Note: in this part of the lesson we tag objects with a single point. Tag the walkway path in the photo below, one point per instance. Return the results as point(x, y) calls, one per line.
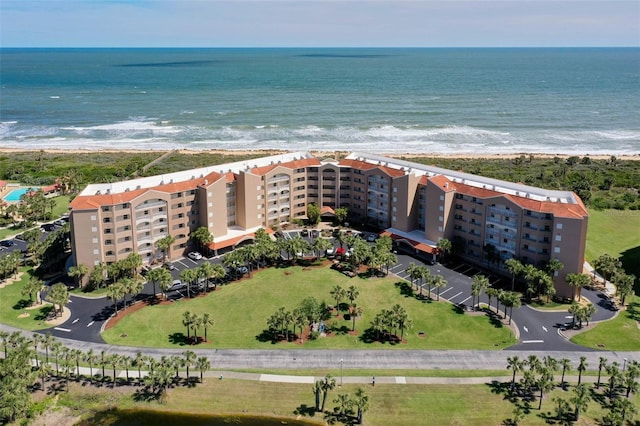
point(292, 359)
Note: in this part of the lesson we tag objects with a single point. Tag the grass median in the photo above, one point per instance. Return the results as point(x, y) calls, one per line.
point(240, 311)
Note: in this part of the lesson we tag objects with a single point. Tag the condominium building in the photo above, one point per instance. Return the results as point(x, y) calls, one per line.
point(487, 220)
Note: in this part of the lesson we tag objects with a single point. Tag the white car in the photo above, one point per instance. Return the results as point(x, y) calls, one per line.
point(371, 237)
point(194, 255)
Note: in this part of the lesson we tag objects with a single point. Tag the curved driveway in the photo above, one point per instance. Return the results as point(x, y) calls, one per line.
point(538, 335)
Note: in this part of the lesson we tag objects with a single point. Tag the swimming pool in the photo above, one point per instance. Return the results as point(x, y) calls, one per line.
point(15, 195)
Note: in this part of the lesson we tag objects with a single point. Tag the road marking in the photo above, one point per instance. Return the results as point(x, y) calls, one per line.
point(545, 328)
point(455, 295)
point(62, 329)
point(466, 299)
point(90, 324)
point(75, 320)
point(533, 341)
point(525, 328)
point(569, 316)
point(450, 288)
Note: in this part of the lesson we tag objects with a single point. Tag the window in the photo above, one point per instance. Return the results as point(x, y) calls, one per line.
point(126, 228)
point(180, 205)
point(109, 253)
point(108, 242)
point(439, 228)
point(94, 229)
point(106, 209)
point(107, 231)
point(558, 237)
point(146, 212)
point(125, 206)
point(161, 209)
point(94, 217)
point(107, 220)
point(442, 197)
point(556, 249)
point(125, 217)
point(559, 226)
point(94, 240)
point(127, 238)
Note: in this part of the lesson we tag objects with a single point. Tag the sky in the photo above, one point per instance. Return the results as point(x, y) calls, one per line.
point(319, 23)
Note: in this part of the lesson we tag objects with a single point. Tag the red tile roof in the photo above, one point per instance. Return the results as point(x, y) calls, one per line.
point(296, 164)
point(363, 165)
point(89, 202)
point(416, 244)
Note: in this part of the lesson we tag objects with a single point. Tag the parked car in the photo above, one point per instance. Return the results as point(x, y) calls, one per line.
point(59, 222)
point(169, 266)
point(194, 255)
point(7, 243)
point(314, 233)
point(242, 270)
point(304, 232)
point(371, 237)
point(48, 227)
point(177, 285)
point(145, 270)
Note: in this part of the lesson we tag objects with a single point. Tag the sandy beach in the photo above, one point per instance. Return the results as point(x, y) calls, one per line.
point(319, 154)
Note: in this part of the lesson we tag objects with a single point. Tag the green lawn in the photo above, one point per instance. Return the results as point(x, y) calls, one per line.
point(615, 232)
point(619, 334)
point(240, 311)
point(390, 405)
point(13, 304)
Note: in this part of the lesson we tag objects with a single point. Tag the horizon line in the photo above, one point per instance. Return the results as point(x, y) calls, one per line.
point(326, 47)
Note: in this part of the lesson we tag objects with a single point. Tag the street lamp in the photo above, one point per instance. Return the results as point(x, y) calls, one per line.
point(341, 363)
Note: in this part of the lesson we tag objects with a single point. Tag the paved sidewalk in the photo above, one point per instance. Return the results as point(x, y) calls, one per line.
point(297, 359)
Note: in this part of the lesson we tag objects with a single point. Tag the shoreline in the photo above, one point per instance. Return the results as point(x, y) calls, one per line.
point(264, 152)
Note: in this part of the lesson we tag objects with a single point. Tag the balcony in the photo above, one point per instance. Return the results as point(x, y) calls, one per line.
point(276, 179)
point(501, 211)
point(151, 205)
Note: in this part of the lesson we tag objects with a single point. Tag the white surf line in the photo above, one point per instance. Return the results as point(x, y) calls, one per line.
point(62, 329)
point(75, 320)
point(533, 341)
point(90, 324)
point(466, 299)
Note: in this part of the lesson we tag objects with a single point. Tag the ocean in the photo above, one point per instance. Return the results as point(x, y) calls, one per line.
point(432, 101)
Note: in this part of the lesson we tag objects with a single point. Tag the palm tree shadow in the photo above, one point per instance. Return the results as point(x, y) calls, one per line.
point(179, 339)
point(305, 410)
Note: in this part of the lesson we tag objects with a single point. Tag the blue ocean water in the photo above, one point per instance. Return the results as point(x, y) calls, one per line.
point(582, 101)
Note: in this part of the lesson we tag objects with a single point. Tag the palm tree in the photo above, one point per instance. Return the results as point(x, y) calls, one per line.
point(602, 363)
point(202, 364)
point(577, 281)
point(189, 360)
point(317, 391)
point(439, 282)
point(352, 293)
point(412, 271)
point(444, 247)
point(580, 399)
point(203, 237)
point(187, 320)
point(565, 363)
point(478, 284)
point(78, 272)
point(515, 267)
point(114, 361)
point(159, 275)
point(582, 367)
point(515, 364)
point(164, 244)
point(207, 322)
point(59, 295)
point(188, 276)
point(356, 311)
point(125, 362)
point(344, 405)
point(328, 383)
point(338, 294)
point(361, 401)
point(36, 339)
point(321, 245)
point(545, 384)
point(138, 362)
point(115, 292)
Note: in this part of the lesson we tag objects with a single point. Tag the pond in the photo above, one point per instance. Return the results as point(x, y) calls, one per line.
point(139, 417)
